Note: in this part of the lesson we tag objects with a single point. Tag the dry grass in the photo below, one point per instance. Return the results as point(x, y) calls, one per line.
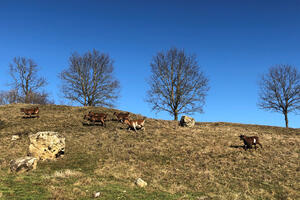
point(178, 163)
point(64, 174)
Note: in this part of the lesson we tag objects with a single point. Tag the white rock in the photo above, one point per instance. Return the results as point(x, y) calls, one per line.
point(140, 182)
point(15, 137)
point(187, 121)
point(23, 164)
point(97, 194)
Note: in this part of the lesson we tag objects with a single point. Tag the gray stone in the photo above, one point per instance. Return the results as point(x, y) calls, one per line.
point(23, 164)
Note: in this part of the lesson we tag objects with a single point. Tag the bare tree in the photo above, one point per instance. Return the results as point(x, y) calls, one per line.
point(89, 79)
point(176, 85)
point(25, 76)
point(280, 90)
point(39, 98)
point(12, 96)
point(3, 98)
point(8, 97)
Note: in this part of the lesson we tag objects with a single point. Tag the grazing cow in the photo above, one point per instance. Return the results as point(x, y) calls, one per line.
point(249, 141)
point(122, 116)
point(96, 117)
point(91, 113)
point(30, 111)
point(135, 124)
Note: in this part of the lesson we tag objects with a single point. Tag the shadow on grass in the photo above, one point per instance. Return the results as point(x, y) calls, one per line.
point(237, 146)
point(132, 129)
point(92, 124)
point(30, 117)
point(243, 147)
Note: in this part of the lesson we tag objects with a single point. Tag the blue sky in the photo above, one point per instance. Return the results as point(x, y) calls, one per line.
point(235, 42)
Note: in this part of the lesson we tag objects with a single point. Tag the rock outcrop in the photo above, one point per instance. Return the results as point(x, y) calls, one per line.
point(186, 121)
point(24, 164)
point(46, 145)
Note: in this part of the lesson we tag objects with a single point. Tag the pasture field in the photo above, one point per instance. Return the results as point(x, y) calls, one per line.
point(204, 162)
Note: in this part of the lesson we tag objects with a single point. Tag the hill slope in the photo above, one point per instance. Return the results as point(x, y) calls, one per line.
point(204, 162)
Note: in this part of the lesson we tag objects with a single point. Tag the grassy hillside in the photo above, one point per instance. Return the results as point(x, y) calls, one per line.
point(204, 162)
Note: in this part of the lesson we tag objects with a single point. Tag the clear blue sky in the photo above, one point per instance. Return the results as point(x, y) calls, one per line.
point(235, 42)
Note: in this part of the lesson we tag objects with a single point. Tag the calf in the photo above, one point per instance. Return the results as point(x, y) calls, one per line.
point(99, 117)
point(249, 141)
point(134, 124)
point(30, 111)
point(122, 116)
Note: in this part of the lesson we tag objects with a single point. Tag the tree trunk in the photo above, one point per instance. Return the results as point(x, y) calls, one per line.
point(84, 103)
point(175, 115)
point(27, 98)
point(286, 120)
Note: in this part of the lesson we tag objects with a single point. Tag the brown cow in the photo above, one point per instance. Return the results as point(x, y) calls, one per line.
point(30, 111)
point(122, 116)
point(96, 117)
point(249, 141)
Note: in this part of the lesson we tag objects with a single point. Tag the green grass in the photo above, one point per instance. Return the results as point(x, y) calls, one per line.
point(203, 162)
point(26, 186)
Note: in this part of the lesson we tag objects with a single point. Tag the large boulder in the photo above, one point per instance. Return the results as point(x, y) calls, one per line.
point(186, 121)
point(46, 145)
point(24, 164)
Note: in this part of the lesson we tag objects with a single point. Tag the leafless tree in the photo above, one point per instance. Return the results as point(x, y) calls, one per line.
point(25, 77)
point(12, 96)
point(280, 90)
point(89, 79)
point(8, 97)
point(176, 85)
point(3, 98)
point(39, 98)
